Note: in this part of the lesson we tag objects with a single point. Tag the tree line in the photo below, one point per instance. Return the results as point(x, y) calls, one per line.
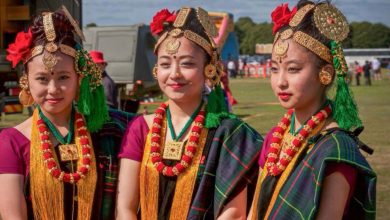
point(362, 35)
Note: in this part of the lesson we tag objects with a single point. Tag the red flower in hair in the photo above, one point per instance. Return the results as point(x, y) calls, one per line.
point(157, 25)
point(281, 16)
point(20, 48)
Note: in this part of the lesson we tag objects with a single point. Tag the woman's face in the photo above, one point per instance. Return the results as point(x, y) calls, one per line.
point(181, 75)
point(295, 80)
point(53, 91)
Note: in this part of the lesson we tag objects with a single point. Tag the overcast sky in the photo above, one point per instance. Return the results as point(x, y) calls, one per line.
point(127, 12)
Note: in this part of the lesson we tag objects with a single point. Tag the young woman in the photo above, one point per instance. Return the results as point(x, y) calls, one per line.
point(310, 164)
point(60, 163)
point(191, 159)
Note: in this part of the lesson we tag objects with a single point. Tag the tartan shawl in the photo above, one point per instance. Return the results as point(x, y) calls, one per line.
point(299, 198)
point(106, 143)
point(231, 166)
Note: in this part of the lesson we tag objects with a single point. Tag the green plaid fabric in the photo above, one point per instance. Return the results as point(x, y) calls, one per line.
point(231, 165)
point(300, 196)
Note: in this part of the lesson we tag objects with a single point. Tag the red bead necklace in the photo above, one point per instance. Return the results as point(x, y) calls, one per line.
point(278, 160)
point(51, 164)
point(190, 150)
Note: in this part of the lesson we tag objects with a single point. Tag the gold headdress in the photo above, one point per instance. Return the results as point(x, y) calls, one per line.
point(328, 20)
point(171, 44)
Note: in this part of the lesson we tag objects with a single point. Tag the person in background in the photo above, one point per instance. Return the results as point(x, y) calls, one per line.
point(367, 73)
point(358, 72)
point(376, 68)
point(231, 67)
point(110, 88)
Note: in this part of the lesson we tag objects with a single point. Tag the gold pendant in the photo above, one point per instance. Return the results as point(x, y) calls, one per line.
point(68, 152)
point(173, 150)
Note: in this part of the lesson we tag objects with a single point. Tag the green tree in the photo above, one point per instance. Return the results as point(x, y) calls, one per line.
point(368, 35)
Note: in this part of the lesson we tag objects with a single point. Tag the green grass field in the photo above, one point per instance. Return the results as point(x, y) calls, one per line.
point(258, 107)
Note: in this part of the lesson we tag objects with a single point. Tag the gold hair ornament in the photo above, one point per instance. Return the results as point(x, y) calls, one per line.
point(301, 13)
point(331, 22)
point(73, 22)
point(49, 59)
point(181, 17)
point(313, 45)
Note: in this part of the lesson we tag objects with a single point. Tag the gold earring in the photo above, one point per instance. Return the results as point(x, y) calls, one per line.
point(154, 72)
point(325, 77)
point(210, 71)
point(25, 98)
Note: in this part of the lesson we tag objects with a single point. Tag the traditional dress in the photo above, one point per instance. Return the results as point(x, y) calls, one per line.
point(15, 159)
point(225, 163)
point(296, 193)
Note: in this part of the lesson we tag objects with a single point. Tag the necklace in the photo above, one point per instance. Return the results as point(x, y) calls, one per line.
point(190, 150)
point(68, 151)
point(174, 148)
point(277, 159)
point(47, 151)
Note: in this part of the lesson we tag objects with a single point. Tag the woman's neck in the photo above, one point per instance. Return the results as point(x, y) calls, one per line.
point(303, 114)
point(60, 119)
point(180, 111)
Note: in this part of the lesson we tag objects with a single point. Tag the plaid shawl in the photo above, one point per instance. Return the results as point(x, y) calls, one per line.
point(106, 143)
point(230, 167)
point(300, 196)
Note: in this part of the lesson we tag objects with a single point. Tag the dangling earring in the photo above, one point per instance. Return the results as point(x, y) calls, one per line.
point(154, 71)
point(25, 98)
point(210, 72)
point(325, 77)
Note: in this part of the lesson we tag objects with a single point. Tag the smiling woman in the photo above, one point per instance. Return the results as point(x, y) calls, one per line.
point(62, 162)
point(191, 159)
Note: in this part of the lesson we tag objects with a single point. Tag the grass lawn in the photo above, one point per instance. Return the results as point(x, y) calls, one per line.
point(258, 107)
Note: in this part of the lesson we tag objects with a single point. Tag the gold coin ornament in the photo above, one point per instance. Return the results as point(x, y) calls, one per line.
point(280, 49)
point(172, 46)
point(331, 22)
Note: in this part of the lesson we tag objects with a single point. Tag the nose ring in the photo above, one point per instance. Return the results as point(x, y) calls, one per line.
point(177, 74)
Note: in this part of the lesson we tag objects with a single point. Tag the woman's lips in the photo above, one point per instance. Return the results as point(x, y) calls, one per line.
point(284, 96)
point(176, 85)
point(54, 101)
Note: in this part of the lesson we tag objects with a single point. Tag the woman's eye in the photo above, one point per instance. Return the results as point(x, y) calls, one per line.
point(164, 65)
point(41, 79)
point(274, 70)
point(188, 64)
point(293, 69)
point(64, 77)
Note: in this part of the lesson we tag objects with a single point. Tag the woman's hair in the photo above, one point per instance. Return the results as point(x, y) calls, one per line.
point(63, 29)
